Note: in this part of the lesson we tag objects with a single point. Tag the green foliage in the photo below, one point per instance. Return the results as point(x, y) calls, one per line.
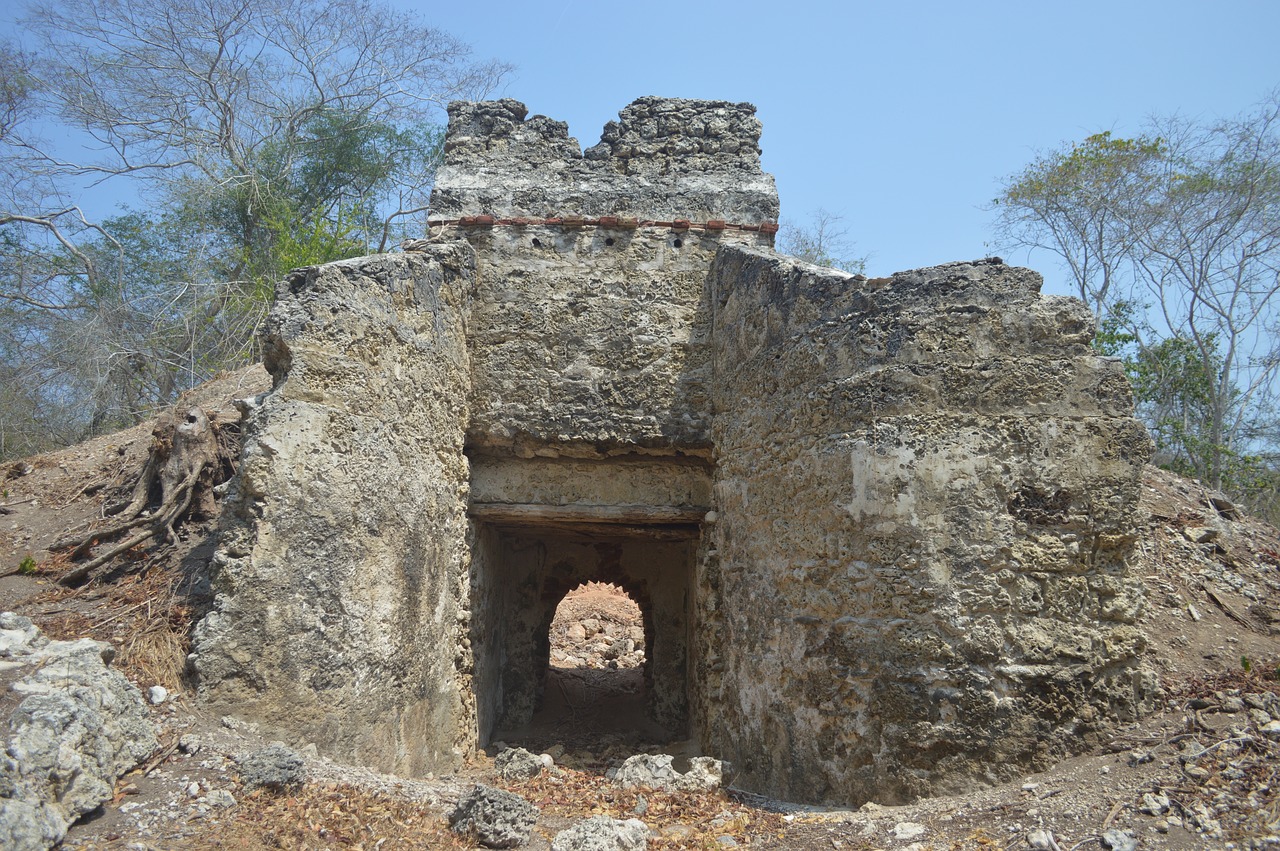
point(295, 242)
point(325, 186)
point(1172, 237)
point(262, 136)
point(1114, 337)
point(1176, 386)
point(166, 299)
point(1073, 203)
point(1175, 392)
point(1087, 172)
point(27, 566)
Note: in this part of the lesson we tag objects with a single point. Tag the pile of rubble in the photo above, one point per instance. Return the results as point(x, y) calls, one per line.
point(597, 626)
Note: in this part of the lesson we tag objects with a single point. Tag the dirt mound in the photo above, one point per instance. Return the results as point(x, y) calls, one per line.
point(1211, 577)
point(150, 593)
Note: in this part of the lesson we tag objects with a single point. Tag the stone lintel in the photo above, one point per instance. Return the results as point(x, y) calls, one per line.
point(528, 513)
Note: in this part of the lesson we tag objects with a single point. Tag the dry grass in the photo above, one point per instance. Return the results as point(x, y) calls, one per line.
point(335, 816)
point(143, 615)
point(328, 816)
point(577, 795)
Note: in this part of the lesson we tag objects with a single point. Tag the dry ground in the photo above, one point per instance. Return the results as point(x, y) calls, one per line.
point(1199, 773)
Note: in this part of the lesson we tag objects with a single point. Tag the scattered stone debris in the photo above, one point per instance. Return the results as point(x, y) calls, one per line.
point(588, 635)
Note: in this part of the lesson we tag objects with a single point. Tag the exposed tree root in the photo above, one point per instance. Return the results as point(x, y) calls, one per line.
point(186, 460)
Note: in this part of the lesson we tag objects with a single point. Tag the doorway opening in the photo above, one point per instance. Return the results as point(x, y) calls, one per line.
point(581, 636)
point(595, 683)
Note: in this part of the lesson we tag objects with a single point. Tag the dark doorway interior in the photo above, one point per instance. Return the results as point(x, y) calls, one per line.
point(595, 686)
point(613, 668)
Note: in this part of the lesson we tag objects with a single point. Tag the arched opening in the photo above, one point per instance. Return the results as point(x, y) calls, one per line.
point(596, 679)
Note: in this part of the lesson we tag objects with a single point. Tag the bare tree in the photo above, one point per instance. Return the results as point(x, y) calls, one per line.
point(1208, 252)
point(16, 86)
point(1078, 204)
point(821, 241)
point(261, 135)
point(182, 89)
point(1173, 238)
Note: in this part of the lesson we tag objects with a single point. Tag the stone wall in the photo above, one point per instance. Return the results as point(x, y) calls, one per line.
point(924, 488)
point(341, 615)
point(662, 159)
point(593, 340)
point(590, 342)
point(878, 528)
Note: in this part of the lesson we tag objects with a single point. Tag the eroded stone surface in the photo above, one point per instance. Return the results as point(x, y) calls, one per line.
point(877, 529)
point(664, 158)
point(515, 764)
point(341, 613)
point(497, 818)
point(657, 771)
point(925, 491)
point(73, 728)
point(603, 833)
point(274, 767)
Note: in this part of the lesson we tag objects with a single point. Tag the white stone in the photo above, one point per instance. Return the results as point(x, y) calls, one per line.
point(908, 831)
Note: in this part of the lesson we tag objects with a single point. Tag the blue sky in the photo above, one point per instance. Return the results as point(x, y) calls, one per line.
point(900, 117)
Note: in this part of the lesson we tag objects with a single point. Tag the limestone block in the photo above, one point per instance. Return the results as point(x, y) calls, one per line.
point(77, 728)
point(497, 818)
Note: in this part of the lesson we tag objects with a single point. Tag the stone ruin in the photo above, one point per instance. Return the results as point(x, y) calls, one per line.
point(877, 528)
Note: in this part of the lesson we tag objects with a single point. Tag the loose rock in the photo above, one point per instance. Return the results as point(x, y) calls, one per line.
point(908, 831)
point(602, 833)
point(274, 767)
point(1155, 804)
point(516, 764)
point(657, 772)
point(1119, 840)
point(497, 818)
point(78, 728)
